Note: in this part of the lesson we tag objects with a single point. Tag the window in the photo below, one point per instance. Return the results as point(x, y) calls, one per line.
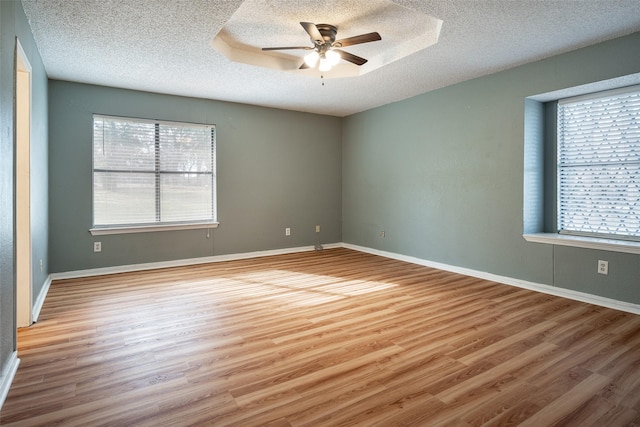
point(598, 165)
point(152, 173)
point(587, 222)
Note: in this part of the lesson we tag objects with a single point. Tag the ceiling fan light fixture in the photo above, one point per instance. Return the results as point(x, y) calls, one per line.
point(333, 57)
point(312, 59)
point(325, 64)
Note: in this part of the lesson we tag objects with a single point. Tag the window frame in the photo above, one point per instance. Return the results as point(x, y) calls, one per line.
point(158, 225)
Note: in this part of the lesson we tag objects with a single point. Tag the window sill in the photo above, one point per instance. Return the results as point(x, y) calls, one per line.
point(150, 228)
point(584, 242)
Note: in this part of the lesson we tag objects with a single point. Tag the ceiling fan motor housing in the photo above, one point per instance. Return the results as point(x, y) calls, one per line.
point(328, 33)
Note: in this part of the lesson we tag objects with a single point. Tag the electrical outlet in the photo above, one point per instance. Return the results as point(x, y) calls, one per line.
point(41, 266)
point(97, 246)
point(603, 267)
point(317, 228)
point(383, 234)
point(287, 231)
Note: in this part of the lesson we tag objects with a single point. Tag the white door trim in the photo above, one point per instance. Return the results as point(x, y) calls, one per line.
point(24, 280)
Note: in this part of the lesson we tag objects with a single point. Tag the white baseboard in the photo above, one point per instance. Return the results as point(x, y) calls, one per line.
point(6, 380)
point(538, 287)
point(183, 262)
point(39, 302)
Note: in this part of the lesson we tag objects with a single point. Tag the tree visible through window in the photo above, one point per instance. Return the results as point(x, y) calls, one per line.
point(599, 165)
point(152, 172)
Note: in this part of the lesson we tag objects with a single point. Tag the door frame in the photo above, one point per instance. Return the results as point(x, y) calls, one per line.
point(22, 145)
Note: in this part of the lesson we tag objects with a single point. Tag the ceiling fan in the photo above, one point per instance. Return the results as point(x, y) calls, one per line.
point(325, 46)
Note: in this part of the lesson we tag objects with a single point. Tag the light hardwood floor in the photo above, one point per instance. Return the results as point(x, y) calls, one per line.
point(334, 338)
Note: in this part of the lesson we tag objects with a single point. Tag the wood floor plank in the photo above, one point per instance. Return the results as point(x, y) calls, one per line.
point(564, 406)
point(329, 338)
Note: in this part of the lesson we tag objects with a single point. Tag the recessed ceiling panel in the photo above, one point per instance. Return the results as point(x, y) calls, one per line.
point(257, 24)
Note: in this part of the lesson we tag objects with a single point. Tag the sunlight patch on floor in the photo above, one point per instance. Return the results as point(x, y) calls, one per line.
point(303, 288)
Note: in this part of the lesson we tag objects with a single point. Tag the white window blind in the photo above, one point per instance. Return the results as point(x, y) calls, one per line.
point(599, 165)
point(152, 172)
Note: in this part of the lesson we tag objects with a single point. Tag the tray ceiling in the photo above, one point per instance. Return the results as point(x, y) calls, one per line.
point(406, 32)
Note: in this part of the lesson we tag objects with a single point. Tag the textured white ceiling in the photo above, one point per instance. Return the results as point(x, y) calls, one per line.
point(165, 45)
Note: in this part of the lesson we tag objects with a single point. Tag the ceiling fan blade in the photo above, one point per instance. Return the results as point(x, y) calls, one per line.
point(362, 38)
point(288, 48)
point(351, 57)
point(313, 32)
point(304, 66)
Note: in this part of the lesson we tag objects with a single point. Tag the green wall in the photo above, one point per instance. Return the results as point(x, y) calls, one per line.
point(13, 23)
point(442, 175)
point(276, 169)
